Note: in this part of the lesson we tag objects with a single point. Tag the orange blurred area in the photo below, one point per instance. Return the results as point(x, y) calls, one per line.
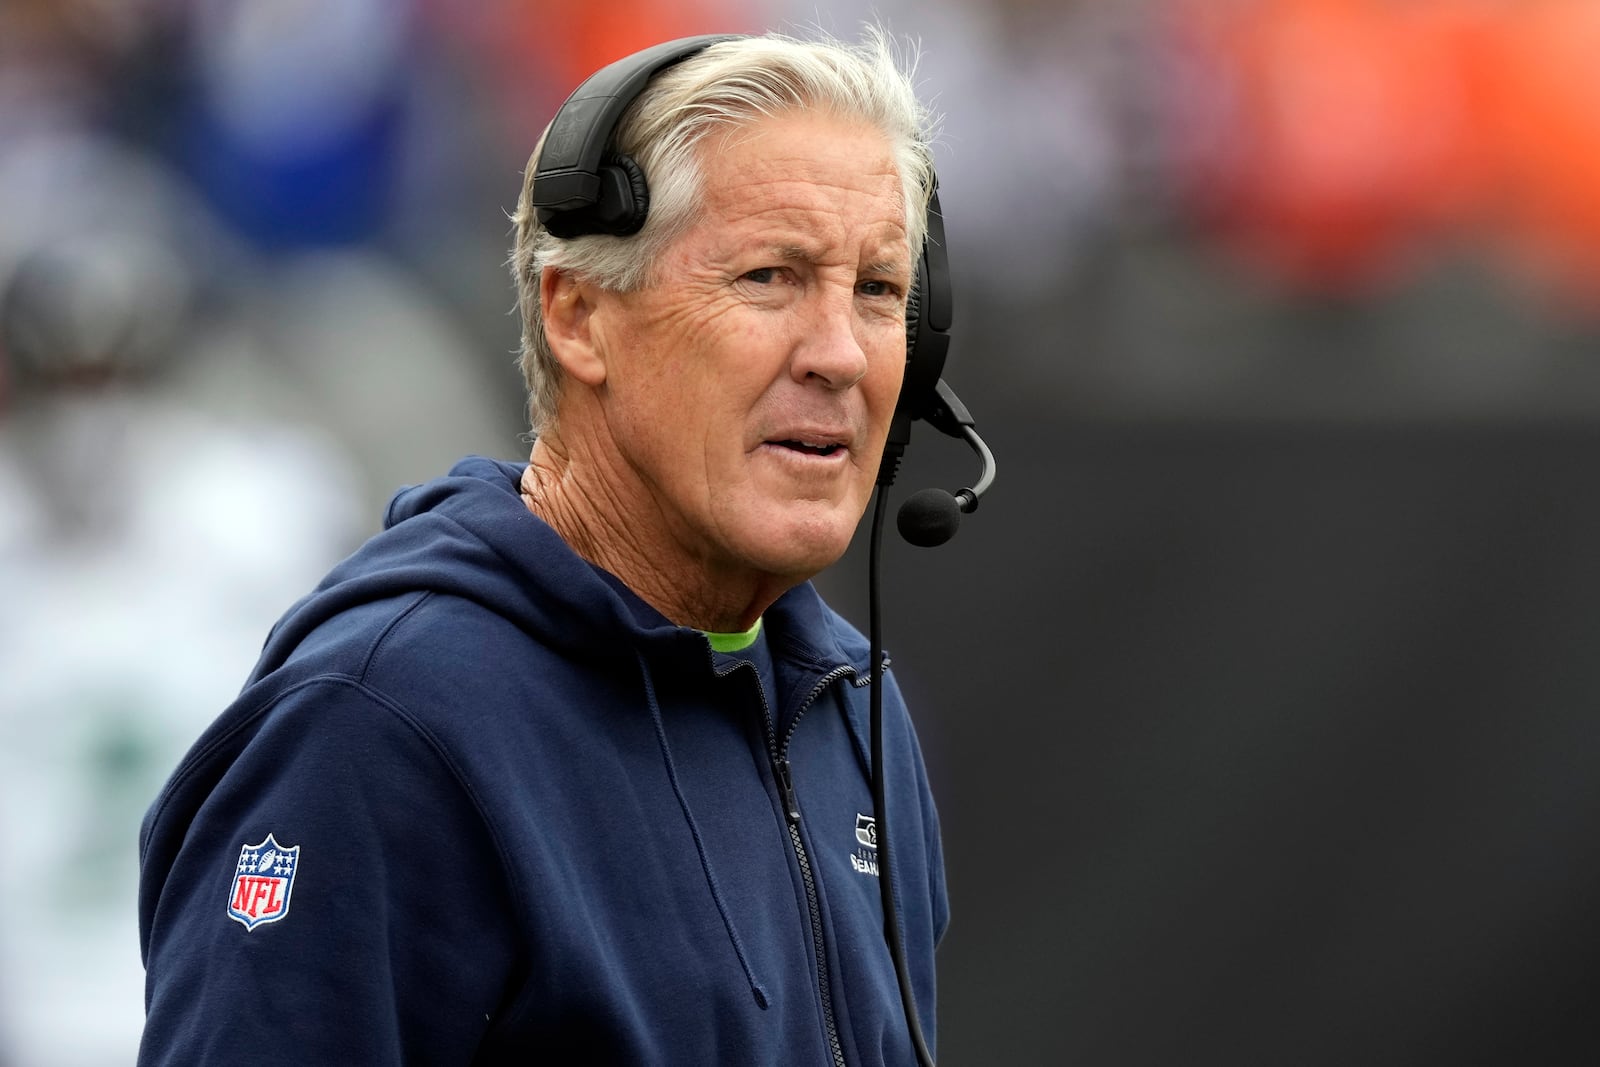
point(534, 54)
point(1346, 141)
point(1544, 130)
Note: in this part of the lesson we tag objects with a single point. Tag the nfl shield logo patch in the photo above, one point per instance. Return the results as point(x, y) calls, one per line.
point(262, 883)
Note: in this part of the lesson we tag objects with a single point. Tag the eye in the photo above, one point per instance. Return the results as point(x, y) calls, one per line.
point(761, 275)
point(875, 287)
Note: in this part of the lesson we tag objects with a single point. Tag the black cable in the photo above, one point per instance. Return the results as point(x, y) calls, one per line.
point(891, 914)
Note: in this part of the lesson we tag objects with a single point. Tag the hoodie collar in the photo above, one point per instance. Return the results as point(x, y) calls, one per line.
point(469, 533)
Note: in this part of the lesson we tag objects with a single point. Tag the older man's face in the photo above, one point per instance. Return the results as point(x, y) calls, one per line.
point(749, 388)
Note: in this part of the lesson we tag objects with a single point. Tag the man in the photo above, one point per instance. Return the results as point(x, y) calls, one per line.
point(570, 763)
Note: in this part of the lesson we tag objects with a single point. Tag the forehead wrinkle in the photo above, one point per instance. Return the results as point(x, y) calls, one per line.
point(770, 208)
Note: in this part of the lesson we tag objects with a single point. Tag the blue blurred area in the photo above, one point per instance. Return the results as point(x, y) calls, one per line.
point(302, 196)
point(294, 128)
point(1280, 315)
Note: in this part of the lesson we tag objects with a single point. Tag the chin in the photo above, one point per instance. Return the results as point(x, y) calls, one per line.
point(800, 547)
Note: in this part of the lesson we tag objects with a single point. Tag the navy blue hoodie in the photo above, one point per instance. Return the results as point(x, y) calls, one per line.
point(478, 803)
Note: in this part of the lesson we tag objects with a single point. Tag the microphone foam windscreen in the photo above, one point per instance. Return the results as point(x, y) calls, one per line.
point(929, 518)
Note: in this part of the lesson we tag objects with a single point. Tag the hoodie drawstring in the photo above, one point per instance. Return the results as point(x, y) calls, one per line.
point(694, 831)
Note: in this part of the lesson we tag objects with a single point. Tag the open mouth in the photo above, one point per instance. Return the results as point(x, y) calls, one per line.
point(806, 448)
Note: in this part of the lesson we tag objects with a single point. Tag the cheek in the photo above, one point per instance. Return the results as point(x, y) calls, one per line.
point(886, 369)
point(695, 401)
point(662, 377)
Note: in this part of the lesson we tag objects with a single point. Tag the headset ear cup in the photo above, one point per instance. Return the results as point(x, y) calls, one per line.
point(913, 317)
point(620, 205)
point(625, 200)
point(926, 346)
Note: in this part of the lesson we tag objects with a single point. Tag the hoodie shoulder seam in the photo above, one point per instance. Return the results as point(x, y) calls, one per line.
point(374, 696)
point(419, 598)
point(442, 753)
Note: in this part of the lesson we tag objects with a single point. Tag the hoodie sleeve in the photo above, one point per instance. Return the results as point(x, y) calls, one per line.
point(322, 890)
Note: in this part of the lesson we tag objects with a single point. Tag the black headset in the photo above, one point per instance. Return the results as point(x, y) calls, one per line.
point(582, 185)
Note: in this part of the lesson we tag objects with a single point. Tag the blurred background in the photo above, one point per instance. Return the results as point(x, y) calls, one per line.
point(1259, 697)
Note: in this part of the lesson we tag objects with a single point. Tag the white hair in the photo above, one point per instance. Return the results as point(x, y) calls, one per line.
point(729, 84)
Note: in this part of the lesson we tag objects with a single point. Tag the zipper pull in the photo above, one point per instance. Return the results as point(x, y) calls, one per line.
point(791, 806)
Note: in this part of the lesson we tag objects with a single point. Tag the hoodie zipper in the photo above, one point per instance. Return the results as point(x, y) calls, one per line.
point(784, 773)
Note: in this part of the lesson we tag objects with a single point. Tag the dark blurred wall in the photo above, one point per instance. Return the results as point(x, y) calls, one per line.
point(1258, 740)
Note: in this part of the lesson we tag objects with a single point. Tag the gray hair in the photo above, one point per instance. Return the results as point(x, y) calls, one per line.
point(729, 84)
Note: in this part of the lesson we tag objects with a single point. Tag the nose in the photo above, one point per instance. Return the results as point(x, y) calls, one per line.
point(830, 351)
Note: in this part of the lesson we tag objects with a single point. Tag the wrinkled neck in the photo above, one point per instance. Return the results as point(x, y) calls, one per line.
point(581, 502)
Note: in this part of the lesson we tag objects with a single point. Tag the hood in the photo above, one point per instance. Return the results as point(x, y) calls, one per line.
point(469, 535)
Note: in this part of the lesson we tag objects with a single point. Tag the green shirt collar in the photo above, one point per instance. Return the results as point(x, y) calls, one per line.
point(734, 642)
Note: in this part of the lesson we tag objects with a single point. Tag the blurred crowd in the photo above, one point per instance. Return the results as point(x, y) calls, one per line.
point(252, 280)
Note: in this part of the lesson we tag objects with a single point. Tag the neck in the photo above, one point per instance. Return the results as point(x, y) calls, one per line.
point(578, 500)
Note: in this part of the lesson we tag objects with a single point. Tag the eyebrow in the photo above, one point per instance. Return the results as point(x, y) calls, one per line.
point(894, 266)
point(799, 253)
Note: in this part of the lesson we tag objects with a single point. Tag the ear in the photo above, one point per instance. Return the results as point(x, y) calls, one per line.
point(566, 304)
